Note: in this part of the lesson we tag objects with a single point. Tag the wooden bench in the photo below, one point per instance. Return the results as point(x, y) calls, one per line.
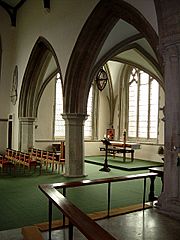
point(31, 233)
point(114, 150)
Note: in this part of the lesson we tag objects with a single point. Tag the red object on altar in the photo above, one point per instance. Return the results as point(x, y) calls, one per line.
point(110, 133)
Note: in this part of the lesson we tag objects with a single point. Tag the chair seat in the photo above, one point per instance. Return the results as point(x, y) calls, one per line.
point(5, 164)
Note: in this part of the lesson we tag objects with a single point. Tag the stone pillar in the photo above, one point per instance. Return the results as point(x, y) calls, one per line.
point(169, 201)
point(74, 145)
point(26, 131)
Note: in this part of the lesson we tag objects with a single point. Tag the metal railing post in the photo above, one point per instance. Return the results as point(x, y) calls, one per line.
point(109, 197)
point(50, 218)
point(151, 193)
point(144, 194)
point(70, 231)
point(64, 217)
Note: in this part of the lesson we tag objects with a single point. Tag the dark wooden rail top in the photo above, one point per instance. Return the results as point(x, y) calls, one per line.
point(86, 225)
point(99, 181)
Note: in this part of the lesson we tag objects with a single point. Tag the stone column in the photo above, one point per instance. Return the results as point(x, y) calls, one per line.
point(74, 145)
point(169, 201)
point(26, 131)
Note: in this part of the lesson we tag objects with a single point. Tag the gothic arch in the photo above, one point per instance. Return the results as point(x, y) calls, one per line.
point(32, 85)
point(121, 47)
point(92, 37)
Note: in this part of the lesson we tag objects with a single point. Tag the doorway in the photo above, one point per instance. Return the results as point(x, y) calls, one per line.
point(10, 131)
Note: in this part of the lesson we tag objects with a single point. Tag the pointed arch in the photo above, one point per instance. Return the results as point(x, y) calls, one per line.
point(90, 41)
point(32, 84)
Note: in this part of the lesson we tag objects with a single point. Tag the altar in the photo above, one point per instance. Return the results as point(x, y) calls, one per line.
point(114, 147)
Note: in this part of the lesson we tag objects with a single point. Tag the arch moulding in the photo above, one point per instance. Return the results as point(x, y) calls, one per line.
point(90, 41)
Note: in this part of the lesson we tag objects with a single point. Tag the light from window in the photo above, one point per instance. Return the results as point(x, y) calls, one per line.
point(143, 105)
point(132, 109)
point(154, 96)
point(88, 122)
point(59, 129)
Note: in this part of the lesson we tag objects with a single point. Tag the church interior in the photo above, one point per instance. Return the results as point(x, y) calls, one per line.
point(89, 94)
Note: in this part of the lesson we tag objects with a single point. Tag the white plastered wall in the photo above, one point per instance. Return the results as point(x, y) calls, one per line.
point(7, 33)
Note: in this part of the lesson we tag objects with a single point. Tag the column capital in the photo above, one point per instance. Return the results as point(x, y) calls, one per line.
point(27, 119)
point(74, 116)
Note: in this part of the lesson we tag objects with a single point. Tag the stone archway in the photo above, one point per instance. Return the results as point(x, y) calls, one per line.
point(78, 75)
point(89, 44)
point(32, 89)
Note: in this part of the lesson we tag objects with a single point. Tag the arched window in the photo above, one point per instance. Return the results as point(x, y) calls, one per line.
point(143, 103)
point(59, 123)
point(59, 128)
point(88, 122)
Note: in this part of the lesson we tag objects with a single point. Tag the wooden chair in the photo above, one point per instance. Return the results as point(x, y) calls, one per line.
point(44, 158)
point(30, 150)
point(19, 157)
point(39, 154)
point(62, 150)
point(41, 158)
point(5, 164)
point(58, 161)
point(8, 153)
point(29, 162)
point(50, 160)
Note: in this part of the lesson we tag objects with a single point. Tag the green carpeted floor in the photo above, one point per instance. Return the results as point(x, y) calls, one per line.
point(22, 203)
point(118, 163)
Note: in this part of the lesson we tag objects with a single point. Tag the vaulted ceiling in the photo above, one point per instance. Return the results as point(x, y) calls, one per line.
point(132, 47)
point(12, 7)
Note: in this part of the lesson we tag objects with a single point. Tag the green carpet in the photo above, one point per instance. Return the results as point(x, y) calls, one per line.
point(22, 203)
point(118, 163)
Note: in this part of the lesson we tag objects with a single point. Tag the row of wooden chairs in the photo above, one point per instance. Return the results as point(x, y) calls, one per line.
point(48, 158)
point(20, 158)
point(31, 159)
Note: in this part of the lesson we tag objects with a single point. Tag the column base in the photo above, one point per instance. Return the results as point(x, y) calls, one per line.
point(74, 176)
point(169, 206)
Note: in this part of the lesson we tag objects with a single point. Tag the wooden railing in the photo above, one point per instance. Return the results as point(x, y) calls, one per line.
point(75, 215)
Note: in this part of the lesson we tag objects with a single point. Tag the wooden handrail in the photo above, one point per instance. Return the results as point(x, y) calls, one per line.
point(99, 181)
point(75, 215)
point(86, 225)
